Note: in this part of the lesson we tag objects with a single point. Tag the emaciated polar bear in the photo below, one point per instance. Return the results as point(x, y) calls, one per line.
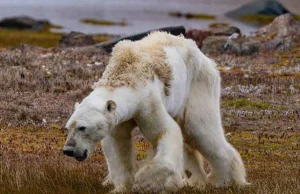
point(167, 87)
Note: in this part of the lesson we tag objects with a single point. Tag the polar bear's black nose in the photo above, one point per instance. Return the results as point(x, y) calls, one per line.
point(68, 153)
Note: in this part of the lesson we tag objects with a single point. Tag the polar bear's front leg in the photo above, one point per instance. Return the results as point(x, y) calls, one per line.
point(164, 171)
point(120, 157)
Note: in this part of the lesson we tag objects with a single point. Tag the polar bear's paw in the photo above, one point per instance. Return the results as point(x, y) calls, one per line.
point(157, 177)
point(120, 189)
point(217, 181)
point(194, 182)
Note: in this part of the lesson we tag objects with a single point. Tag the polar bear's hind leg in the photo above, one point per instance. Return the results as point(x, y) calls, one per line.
point(203, 126)
point(195, 175)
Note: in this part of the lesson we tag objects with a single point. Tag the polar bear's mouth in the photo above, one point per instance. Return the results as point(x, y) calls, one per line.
point(82, 157)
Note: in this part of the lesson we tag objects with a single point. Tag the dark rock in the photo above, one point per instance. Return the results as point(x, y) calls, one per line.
point(22, 22)
point(175, 14)
point(238, 46)
point(198, 35)
point(284, 25)
point(44, 22)
point(260, 7)
point(76, 39)
point(108, 45)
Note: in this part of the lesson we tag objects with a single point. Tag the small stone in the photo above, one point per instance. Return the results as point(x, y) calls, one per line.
point(238, 46)
point(46, 55)
point(98, 63)
point(198, 35)
point(76, 39)
point(214, 44)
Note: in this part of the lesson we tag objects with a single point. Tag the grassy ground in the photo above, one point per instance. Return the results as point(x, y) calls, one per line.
point(260, 110)
point(32, 162)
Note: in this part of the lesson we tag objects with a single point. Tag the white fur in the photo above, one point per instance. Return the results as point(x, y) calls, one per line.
point(194, 98)
point(178, 92)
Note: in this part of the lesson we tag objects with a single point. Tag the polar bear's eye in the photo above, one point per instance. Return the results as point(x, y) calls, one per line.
point(81, 128)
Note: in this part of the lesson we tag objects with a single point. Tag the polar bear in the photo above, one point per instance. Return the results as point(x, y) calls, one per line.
point(168, 88)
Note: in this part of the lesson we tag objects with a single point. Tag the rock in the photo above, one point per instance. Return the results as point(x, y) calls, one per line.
point(284, 25)
point(260, 7)
point(238, 46)
point(243, 46)
point(225, 31)
point(280, 43)
point(44, 22)
point(76, 39)
point(23, 22)
point(198, 35)
point(281, 34)
point(214, 44)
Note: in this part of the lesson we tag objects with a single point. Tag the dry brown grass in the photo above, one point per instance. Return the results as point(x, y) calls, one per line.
point(38, 84)
point(260, 109)
point(32, 162)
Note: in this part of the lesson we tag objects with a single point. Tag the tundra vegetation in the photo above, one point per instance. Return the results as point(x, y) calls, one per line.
point(44, 38)
point(38, 87)
point(102, 22)
point(262, 19)
point(199, 16)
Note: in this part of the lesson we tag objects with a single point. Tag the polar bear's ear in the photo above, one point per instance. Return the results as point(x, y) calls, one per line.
point(76, 105)
point(111, 105)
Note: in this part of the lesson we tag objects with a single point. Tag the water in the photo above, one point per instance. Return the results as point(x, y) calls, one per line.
point(141, 15)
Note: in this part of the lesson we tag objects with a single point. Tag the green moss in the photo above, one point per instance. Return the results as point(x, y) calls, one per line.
point(48, 27)
point(263, 19)
point(200, 16)
point(192, 15)
point(245, 103)
point(39, 38)
point(45, 38)
point(296, 17)
point(175, 14)
point(102, 37)
point(217, 25)
point(102, 22)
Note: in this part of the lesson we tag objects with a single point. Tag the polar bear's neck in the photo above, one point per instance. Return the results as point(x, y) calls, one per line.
point(125, 98)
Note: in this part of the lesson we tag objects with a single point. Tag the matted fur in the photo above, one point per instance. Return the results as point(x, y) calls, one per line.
point(140, 61)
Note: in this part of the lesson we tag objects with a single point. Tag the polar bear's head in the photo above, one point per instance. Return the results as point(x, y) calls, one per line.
point(89, 124)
